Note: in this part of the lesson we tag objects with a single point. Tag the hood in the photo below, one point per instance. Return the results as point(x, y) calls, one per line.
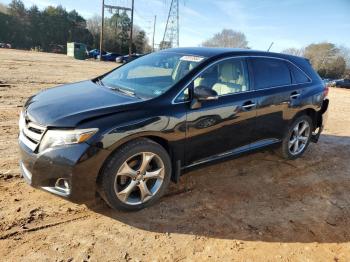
point(67, 105)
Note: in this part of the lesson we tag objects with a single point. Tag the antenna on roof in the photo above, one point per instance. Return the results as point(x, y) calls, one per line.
point(268, 50)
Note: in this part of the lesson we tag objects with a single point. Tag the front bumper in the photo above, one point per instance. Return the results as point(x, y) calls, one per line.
point(77, 164)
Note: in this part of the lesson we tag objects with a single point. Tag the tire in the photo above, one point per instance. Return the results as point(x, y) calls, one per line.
point(287, 149)
point(136, 175)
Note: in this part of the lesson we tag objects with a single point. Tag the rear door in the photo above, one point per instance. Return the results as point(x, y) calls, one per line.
point(277, 95)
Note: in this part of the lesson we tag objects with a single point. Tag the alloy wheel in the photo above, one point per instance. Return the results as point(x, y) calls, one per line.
point(299, 137)
point(139, 178)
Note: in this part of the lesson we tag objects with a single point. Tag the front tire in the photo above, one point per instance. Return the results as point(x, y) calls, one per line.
point(136, 176)
point(297, 139)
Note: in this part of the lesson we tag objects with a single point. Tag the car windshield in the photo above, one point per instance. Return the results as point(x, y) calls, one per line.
point(151, 75)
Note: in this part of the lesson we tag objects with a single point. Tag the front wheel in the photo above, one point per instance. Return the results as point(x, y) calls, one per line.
point(136, 175)
point(297, 138)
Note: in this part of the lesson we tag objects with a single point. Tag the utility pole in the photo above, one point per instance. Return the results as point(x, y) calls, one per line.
point(117, 8)
point(154, 31)
point(132, 27)
point(178, 25)
point(102, 25)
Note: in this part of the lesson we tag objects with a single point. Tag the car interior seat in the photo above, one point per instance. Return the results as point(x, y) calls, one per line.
point(208, 78)
point(231, 79)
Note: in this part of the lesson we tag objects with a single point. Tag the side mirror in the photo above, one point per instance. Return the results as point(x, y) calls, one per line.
point(203, 93)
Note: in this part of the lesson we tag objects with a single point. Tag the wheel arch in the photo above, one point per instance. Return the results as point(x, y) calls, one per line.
point(311, 112)
point(157, 139)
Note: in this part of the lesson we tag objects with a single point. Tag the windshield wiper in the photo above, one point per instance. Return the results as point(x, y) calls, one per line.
point(99, 82)
point(124, 91)
point(119, 89)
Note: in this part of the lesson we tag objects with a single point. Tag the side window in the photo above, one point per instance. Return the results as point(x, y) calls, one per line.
point(299, 76)
point(226, 77)
point(270, 72)
point(183, 96)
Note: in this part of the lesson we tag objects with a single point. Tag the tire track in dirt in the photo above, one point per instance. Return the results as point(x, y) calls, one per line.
point(41, 227)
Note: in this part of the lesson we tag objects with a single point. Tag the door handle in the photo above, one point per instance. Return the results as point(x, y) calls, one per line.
point(294, 95)
point(248, 105)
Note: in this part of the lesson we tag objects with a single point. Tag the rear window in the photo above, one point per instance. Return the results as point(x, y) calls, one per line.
point(299, 76)
point(269, 72)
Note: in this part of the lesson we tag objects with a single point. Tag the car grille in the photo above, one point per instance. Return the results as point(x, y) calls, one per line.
point(31, 134)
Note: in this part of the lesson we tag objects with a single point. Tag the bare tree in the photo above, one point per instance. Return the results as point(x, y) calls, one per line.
point(294, 51)
point(345, 52)
point(227, 38)
point(94, 25)
point(326, 59)
point(3, 8)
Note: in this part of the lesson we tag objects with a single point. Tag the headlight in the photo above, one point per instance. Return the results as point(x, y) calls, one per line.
point(53, 138)
point(21, 122)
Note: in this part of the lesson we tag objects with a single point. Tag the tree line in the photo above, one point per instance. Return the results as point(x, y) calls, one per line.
point(51, 28)
point(328, 59)
point(116, 34)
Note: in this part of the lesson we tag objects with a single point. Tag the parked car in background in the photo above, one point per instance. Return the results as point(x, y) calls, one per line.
point(332, 82)
point(109, 56)
point(94, 53)
point(327, 81)
point(128, 133)
point(4, 45)
point(58, 49)
point(127, 58)
point(344, 83)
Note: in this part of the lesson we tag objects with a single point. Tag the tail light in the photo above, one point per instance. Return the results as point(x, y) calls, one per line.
point(326, 91)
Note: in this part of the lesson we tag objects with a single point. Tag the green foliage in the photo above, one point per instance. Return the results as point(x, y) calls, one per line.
point(51, 29)
point(47, 29)
point(8, 24)
point(117, 33)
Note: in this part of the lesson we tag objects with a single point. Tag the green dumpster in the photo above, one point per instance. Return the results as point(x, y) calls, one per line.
point(76, 50)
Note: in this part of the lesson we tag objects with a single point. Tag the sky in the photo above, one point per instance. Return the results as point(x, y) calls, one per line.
point(287, 23)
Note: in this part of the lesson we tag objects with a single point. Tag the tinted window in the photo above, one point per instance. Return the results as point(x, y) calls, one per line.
point(299, 76)
point(269, 72)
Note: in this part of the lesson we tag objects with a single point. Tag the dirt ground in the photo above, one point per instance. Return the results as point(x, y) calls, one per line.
point(255, 208)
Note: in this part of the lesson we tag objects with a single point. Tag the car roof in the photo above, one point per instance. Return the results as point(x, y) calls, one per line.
point(216, 51)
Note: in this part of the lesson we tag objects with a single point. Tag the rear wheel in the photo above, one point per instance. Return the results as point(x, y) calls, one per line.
point(297, 138)
point(136, 176)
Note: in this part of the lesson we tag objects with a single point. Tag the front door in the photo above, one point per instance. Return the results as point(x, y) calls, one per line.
point(221, 126)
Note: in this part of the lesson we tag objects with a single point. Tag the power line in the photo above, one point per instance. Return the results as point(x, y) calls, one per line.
point(171, 33)
point(154, 31)
point(117, 8)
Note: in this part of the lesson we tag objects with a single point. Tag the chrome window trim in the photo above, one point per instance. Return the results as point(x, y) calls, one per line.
point(302, 71)
point(232, 57)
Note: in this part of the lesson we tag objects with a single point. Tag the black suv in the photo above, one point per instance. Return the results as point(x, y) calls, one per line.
point(128, 133)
